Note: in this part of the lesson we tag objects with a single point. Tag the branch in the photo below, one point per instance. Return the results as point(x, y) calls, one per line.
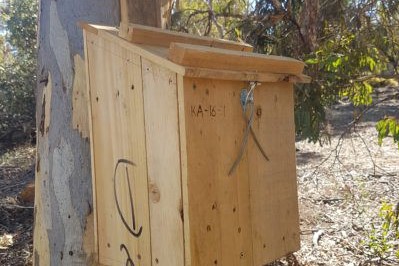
point(213, 18)
point(348, 129)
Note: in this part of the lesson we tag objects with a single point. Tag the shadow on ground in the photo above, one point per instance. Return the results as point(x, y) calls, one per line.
point(343, 113)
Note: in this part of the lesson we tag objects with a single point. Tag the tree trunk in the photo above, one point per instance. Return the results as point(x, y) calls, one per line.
point(63, 233)
point(309, 23)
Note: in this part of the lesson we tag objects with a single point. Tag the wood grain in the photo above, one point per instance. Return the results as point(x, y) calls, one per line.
point(163, 159)
point(273, 185)
point(244, 75)
point(160, 37)
point(183, 169)
point(144, 12)
point(182, 128)
point(215, 58)
point(90, 122)
point(219, 211)
point(116, 98)
point(251, 217)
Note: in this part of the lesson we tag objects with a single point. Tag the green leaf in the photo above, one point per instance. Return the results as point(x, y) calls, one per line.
point(312, 61)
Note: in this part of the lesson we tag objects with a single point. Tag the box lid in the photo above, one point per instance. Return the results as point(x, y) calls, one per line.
point(205, 57)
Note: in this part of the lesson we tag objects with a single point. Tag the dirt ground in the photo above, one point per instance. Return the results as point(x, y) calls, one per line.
point(341, 187)
point(16, 216)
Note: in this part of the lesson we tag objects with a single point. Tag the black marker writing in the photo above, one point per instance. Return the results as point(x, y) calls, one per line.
point(210, 111)
point(131, 228)
point(129, 261)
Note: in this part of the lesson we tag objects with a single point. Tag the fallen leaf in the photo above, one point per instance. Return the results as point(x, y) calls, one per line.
point(6, 241)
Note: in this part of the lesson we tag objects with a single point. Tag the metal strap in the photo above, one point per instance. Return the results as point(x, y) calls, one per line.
point(247, 103)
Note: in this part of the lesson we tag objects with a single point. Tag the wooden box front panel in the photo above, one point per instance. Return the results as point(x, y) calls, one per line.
point(273, 184)
point(250, 217)
point(119, 153)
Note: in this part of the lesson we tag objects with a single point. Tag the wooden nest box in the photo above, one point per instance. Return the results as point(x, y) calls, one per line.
point(193, 149)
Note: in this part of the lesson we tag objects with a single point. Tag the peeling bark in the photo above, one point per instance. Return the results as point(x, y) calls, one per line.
point(63, 233)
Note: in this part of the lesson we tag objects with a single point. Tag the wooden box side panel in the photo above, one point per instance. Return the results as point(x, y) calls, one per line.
point(273, 185)
point(218, 204)
point(120, 166)
point(163, 159)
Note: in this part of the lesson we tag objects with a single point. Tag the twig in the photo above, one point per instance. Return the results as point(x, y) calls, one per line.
point(212, 17)
point(10, 206)
point(348, 129)
point(330, 200)
point(368, 151)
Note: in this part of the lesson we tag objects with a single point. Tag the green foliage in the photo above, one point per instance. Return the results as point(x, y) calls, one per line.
point(342, 66)
point(21, 20)
point(18, 63)
point(388, 127)
point(309, 113)
point(383, 238)
point(344, 43)
point(217, 18)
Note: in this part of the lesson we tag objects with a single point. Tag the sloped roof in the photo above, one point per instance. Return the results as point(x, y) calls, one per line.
point(205, 57)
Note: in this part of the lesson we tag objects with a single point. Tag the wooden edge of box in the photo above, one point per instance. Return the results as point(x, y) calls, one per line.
point(196, 72)
point(95, 28)
point(141, 34)
point(93, 173)
point(183, 167)
point(190, 55)
point(111, 34)
point(301, 79)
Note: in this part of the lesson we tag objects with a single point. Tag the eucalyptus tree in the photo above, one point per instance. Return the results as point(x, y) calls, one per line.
point(345, 43)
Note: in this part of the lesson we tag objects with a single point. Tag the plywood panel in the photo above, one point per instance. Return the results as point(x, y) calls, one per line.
point(274, 209)
point(120, 166)
point(218, 204)
point(163, 159)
